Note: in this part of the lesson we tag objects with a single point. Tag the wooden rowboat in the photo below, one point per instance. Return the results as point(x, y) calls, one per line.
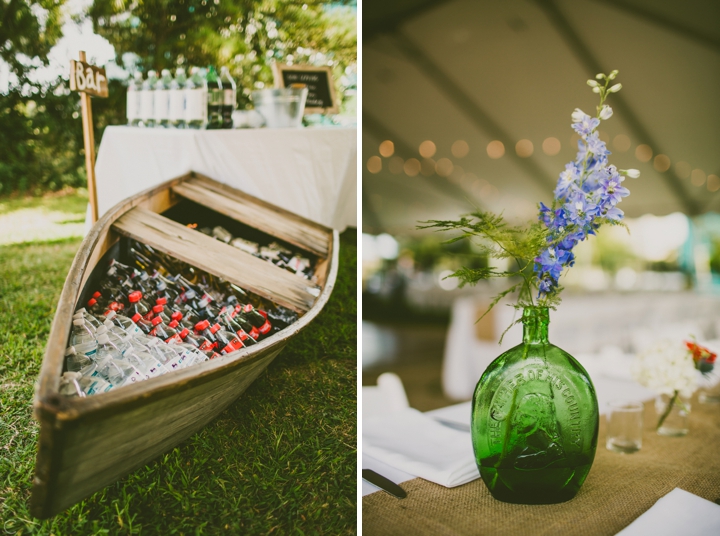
point(87, 443)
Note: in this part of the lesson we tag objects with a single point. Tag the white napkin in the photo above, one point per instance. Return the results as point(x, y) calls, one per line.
point(419, 445)
point(679, 512)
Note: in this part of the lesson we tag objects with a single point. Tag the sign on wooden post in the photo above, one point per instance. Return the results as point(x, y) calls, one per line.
point(88, 80)
point(321, 97)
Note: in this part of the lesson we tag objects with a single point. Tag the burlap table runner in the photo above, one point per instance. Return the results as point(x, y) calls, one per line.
point(618, 489)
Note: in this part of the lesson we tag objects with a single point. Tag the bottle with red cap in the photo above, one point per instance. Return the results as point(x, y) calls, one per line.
point(227, 341)
point(258, 319)
point(94, 308)
point(234, 326)
point(199, 342)
point(205, 329)
point(163, 331)
point(145, 325)
point(137, 304)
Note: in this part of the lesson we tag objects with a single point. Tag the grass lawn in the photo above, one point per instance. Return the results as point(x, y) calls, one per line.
point(280, 460)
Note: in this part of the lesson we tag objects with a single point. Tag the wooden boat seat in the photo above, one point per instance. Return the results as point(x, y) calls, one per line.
point(218, 258)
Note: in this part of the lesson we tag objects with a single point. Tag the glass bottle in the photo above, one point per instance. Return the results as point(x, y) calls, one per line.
point(147, 100)
point(162, 99)
point(133, 100)
point(177, 99)
point(229, 90)
point(534, 420)
point(196, 96)
point(215, 99)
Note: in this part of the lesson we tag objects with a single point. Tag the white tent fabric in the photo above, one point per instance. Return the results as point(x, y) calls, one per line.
point(514, 70)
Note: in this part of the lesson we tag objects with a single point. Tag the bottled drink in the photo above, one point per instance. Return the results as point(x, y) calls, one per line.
point(227, 342)
point(222, 234)
point(137, 304)
point(257, 319)
point(147, 100)
point(70, 385)
point(196, 100)
point(162, 100)
point(177, 99)
point(76, 357)
point(163, 331)
point(81, 333)
point(133, 100)
point(215, 99)
point(124, 323)
point(145, 326)
point(92, 322)
point(229, 97)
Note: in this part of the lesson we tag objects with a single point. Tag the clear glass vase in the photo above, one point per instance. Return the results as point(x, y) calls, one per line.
point(534, 420)
point(710, 394)
point(673, 421)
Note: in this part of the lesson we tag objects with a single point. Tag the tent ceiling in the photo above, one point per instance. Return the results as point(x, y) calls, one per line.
point(512, 70)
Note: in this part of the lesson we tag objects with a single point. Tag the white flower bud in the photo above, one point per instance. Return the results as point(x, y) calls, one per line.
point(578, 115)
point(605, 112)
point(632, 173)
point(613, 74)
point(599, 76)
point(592, 83)
point(596, 90)
point(615, 88)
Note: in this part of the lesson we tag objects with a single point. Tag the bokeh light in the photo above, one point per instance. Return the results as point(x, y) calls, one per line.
point(427, 149)
point(495, 149)
point(697, 177)
point(411, 167)
point(396, 165)
point(444, 167)
point(374, 164)
point(643, 152)
point(551, 146)
point(524, 148)
point(713, 183)
point(387, 148)
point(621, 143)
point(661, 162)
point(460, 149)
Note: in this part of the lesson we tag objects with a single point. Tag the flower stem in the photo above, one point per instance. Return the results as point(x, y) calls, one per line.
point(668, 409)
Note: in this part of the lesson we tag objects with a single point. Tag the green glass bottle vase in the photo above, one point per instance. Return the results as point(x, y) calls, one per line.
point(534, 420)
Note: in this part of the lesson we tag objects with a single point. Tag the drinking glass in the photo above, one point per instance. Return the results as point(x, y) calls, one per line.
point(624, 430)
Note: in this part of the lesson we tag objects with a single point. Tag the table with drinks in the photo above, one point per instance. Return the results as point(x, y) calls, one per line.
point(183, 124)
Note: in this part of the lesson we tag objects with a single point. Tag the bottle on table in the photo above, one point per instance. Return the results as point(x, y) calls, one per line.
point(133, 100)
point(229, 90)
point(215, 99)
point(147, 100)
point(177, 99)
point(162, 99)
point(196, 100)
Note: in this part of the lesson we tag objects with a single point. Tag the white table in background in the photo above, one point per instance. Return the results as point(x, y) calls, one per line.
point(309, 171)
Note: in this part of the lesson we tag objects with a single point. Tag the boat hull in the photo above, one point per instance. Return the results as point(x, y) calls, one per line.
point(88, 443)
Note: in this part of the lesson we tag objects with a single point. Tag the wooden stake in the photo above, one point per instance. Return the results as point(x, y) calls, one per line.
point(89, 140)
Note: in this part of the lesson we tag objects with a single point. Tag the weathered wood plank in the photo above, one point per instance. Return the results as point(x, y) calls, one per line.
point(99, 452)
point(217, 258)
point(284, 225)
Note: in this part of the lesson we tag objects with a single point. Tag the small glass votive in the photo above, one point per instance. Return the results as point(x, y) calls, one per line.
point(624, 426)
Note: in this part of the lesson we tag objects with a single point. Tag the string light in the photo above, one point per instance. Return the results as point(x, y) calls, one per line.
point(427, 149)
point(387, 148)
point(524, 148)
point(495, 149)
point(374, 164)
point(551, 146)
point(460, 149)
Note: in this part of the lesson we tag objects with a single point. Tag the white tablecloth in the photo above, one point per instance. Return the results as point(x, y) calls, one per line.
point(309, 171)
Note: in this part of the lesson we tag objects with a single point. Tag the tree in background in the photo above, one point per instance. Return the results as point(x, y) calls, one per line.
point(244, 35)
point(39, 126)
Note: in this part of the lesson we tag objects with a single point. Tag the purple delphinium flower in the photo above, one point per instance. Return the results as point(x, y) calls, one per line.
point(584, 124)
point(587, 193)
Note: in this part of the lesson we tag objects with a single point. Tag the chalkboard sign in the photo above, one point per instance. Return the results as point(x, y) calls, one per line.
point(321, 90)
